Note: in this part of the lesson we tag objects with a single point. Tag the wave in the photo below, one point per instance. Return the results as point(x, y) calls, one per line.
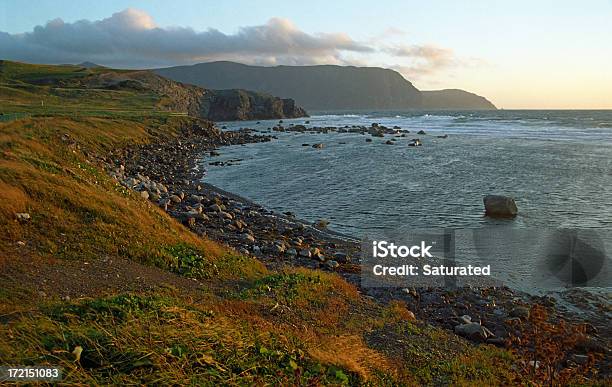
point(339, 116)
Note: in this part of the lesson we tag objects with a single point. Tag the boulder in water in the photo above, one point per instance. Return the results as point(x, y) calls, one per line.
point(497, 206)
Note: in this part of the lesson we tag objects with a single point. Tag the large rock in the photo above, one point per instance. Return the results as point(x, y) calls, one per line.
point(227, 105)
point(497, 206)
point(473, 331)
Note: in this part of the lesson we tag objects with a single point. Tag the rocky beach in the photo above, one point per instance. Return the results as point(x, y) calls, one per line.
point(170, 174)
point(298, 194)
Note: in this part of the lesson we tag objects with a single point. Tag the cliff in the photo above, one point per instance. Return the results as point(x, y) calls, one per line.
point(326, 87)
point(314, 87)
point(228, 105)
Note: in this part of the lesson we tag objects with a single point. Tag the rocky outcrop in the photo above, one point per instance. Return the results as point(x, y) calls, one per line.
point(291, 109)
point(228, 105)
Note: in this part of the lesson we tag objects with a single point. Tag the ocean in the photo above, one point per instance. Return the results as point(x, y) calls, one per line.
point(556, 164)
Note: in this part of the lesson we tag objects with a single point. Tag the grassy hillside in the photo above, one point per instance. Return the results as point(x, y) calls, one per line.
point(27, 89)
point(95, 268)
point(58, 90)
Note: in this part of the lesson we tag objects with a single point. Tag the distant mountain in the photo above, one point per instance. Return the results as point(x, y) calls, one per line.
point(454, 99)
point(313, 87)
point(324, 87)
point(90, 65)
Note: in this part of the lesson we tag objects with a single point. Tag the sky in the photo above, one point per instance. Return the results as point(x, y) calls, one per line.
point(519, 54)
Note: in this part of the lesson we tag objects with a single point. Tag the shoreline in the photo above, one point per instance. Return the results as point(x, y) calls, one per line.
point(280, 240)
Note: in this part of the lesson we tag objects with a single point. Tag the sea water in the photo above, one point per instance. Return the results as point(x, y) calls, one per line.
point(556, 164)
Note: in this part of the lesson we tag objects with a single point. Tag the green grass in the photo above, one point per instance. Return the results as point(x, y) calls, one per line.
point(44, 90)
point(161, 339)
point(25, 72)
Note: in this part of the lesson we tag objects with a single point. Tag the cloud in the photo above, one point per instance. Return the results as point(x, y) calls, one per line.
point(423, 60)
point(131, 38)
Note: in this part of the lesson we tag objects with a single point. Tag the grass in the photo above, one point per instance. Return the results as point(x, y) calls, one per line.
point(161, 339)
point(42, 174)
point(44, 90)
point(220, 318)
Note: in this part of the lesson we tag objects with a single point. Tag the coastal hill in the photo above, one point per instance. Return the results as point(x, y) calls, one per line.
point(455, 99)
point(70, 87)
point(326, 87)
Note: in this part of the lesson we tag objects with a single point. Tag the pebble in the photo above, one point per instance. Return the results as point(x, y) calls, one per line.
point(305, 253)
point(278, 248)
point(225, 215)
point(215, 208)
point(580, 359)
point(332, 264)
point(23, 216)
point(465, 319)
point(473, 331)
point(196, 198)
point(341, 257)
point(520, 311)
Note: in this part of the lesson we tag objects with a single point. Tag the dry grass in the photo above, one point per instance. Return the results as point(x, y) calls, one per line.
point(14, 200)
point(77, 210)
point(352, 353)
